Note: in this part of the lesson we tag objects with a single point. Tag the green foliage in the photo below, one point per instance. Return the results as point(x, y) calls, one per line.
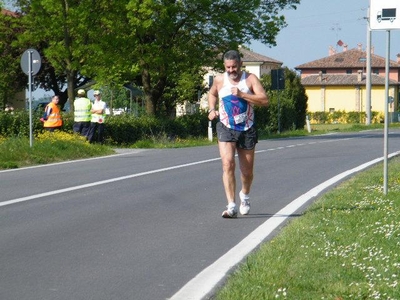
point(65, 33)
point(343, 117)
point(127, 129)
point(319, 117)
point(12, 79)
point(287, 107)
point(160, 45)
point(47, 148)
point(17, 123)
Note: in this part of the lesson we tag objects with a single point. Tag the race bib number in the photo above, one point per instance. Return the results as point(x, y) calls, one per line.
point(240, 118)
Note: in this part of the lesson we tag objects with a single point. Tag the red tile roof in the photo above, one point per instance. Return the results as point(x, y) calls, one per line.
point(342, 80)
point(250, 56)
point(349, 59)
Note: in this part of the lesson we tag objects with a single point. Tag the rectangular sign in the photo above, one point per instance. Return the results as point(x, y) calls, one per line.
point(384, 14)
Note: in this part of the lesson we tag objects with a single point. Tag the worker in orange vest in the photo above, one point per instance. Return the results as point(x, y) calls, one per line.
point(52, 115)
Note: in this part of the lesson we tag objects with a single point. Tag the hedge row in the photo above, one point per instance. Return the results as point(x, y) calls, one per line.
point(128, 129)
point(120, 130)
point(343, 117)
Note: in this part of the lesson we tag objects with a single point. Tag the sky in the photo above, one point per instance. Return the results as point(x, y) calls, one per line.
point(317, 24)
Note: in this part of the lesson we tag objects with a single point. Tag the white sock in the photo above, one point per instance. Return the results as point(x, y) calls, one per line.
point(231, 204)
point(243, 196)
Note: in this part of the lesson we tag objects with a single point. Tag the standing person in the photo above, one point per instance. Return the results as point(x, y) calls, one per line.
point(97, 123)
point(238, 92)
point(82, 116)
point(52, 115)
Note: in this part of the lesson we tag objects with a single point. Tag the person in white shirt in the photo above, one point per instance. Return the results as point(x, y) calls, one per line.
point(238, 92)
point(96, 130)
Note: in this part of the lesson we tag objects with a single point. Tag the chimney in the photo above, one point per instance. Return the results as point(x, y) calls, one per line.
point(398, 58)
point(372, 49)
point(332, 51)
point(345, 47)
point(320, 76)
point(359, 45)
point(359, 75)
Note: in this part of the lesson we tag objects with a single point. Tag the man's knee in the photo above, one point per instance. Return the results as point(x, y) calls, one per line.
point(228, 165)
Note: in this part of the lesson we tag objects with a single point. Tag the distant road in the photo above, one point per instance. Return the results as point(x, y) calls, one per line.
point(142, 224)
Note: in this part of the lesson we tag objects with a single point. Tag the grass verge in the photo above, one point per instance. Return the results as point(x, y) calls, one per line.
point(47, 148)
point(345, 246)
point(164, 141)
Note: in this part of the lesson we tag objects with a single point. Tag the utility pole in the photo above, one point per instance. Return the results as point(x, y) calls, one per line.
point(368, 76)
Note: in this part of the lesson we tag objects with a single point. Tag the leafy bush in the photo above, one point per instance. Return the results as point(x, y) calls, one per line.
point(17, 123)
point(343, 117)
point(288, 107)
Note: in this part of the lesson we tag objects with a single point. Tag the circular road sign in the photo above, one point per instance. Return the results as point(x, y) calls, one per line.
point(35, 60)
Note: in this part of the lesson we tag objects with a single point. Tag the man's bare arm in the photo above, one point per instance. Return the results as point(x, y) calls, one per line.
point(212, 99)
point(259, 96)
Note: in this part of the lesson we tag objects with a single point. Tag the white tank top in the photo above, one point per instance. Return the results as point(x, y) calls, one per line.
point(234, 112)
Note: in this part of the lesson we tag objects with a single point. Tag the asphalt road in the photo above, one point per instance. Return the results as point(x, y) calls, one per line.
point(142, 224)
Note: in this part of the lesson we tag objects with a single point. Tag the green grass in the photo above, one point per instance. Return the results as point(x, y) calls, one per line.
point(345, 246)
point(47, 148)
point(168, 142)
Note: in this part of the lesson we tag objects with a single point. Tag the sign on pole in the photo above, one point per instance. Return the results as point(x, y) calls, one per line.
point(384, 14)
point(278, 83)
point(35, 63)
point(30, 64)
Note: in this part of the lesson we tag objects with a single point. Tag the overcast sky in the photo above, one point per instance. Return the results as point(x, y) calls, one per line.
point(318, 24)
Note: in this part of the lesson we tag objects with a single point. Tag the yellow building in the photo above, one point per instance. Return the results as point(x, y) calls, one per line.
point(338, 82)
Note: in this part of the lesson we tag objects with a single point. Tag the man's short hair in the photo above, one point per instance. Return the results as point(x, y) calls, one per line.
point(232, 55)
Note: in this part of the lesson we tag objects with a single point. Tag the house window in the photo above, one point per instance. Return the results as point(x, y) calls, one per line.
point(349, 71)
point(323, 71)
point(375, 71)
point(331, 110)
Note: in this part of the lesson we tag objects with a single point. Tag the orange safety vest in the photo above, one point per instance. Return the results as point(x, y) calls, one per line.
point(54, 119)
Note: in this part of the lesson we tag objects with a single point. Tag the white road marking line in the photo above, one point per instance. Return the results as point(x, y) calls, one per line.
point(78, 187)
point(74, 188)
point(71, 161)
point(8, 202)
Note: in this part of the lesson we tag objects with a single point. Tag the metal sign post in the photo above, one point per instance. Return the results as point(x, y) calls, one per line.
point(278, 83)
point(384, 15)
point(386, 142)
point(30, 64)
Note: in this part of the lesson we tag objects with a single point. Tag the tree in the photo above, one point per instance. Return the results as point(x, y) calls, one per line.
point(296, 93)
point(288, 105)
point(170, 36)
point(12, 79)
point(60, 29)
point(151, 43)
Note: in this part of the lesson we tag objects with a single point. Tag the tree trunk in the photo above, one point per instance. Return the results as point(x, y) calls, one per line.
point(70, 87)
point(148, 95)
